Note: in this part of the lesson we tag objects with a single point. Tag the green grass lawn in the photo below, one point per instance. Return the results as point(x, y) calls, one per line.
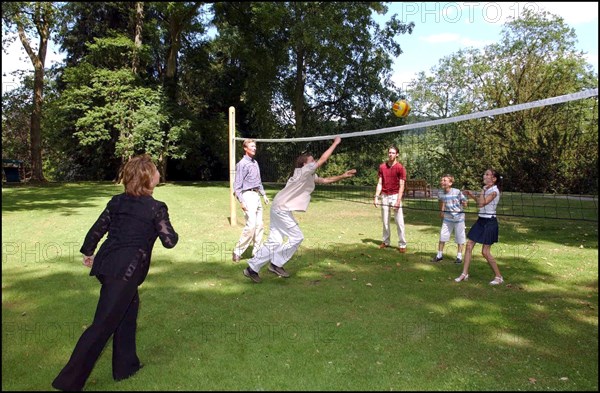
point(350, 317)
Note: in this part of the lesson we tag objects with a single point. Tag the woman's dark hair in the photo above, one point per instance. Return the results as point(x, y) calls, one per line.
point(498, 177)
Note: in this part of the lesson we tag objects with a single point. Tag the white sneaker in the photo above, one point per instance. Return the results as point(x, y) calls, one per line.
point(497, 280)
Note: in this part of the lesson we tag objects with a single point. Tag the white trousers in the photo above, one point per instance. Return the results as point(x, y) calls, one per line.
point(274, 249)
point(388, 201)
point(254, 228)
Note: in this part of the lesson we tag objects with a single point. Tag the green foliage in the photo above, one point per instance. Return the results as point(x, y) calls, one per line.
point(306, 69)
point(113, 107)
point(33, 22)
point(16, 122)
point(535, 149)
point(87, 21)
point(311, 62)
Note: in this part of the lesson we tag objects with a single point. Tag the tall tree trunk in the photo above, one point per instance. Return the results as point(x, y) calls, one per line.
point(43, 27)
point(176, 22)
point(299, 93)
point(139, 21)
point(36, 125)
point(162, 163)
point(170, 88)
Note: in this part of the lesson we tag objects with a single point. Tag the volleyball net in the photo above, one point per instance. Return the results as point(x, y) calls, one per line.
point(546, 152)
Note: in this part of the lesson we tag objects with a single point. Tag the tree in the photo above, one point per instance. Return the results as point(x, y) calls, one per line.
point(139, 22)
point(452, 88)
point(175, 20)
point(115, 24)
point(535, 59)
point(16, 124)
point(30, 19)
point(110, 104)
point(138, 45)
point(84, 21)
point(308, 62)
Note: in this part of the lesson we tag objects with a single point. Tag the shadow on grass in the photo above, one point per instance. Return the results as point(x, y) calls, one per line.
point(64, 197)
point(200, 184)
point(368, 311)
point(370, 241)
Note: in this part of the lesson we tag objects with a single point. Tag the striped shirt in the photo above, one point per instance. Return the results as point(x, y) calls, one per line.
point(247, 177)
point(453, 199)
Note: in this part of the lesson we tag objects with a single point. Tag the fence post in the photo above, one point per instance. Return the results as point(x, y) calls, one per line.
point(232, 204)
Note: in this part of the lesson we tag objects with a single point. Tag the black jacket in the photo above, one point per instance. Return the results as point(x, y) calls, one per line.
point(133, 224)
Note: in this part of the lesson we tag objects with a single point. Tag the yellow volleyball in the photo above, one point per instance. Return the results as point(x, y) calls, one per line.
point(401, 108)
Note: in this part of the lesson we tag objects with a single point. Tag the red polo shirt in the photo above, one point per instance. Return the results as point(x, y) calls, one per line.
point(390, 177)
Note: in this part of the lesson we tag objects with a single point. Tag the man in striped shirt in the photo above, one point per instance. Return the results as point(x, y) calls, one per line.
point(248, 188)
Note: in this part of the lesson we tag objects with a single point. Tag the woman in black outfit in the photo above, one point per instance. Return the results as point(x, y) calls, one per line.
point(133, 221)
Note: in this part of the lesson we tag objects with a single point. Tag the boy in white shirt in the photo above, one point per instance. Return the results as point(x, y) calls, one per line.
point(452, 201)
point(295, 196)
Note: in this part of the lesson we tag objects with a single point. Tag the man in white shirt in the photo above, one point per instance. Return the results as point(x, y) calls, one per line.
point(295, 196)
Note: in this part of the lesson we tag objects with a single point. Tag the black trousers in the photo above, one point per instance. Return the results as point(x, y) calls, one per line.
point(116, 315)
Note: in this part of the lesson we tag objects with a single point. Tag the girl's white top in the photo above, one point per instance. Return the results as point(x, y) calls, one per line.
point(489, 210)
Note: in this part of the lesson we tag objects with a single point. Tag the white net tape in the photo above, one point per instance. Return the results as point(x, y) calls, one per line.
point(489, 113)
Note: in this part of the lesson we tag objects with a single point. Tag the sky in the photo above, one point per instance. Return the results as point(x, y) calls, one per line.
point(441, 28)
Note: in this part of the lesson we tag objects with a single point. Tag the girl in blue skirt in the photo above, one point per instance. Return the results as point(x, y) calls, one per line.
point(485, 230)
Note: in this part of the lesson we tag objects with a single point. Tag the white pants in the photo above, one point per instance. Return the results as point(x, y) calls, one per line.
point(254, 228)
point(387, 204)
point(274, 249)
